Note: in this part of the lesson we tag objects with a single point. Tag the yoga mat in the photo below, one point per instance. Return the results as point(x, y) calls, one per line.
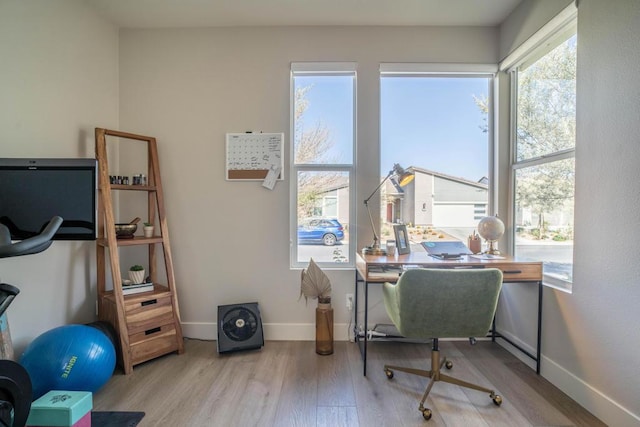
point(115, 419)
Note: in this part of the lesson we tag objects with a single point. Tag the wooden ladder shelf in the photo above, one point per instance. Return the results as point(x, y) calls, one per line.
point(147, 324)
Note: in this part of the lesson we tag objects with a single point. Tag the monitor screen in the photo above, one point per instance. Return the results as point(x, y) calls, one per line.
point(32, 191)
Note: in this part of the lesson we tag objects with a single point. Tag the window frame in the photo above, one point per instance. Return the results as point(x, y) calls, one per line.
point(460, 70)
point(553, 34)
point(322, 69)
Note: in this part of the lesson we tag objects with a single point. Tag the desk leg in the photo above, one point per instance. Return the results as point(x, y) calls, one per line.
point(366, 320)
point(355, 310)
point(537, 357)
point(539, 351)
point(362, 343)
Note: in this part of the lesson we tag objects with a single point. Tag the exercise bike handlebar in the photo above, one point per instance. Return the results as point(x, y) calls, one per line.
point(32, 245)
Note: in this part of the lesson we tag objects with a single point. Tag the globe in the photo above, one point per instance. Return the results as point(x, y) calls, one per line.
point(491, 228)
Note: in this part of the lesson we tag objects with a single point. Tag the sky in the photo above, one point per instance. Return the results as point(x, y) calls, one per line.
point(427, 122)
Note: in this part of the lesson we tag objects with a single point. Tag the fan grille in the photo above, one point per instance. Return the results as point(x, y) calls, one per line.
point(240, 324)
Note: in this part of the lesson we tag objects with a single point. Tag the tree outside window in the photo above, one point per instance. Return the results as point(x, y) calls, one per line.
point(323, 145)
point(544, 165)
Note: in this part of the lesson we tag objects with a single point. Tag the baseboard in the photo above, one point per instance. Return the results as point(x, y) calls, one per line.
point(272, 331)
point(594, 401)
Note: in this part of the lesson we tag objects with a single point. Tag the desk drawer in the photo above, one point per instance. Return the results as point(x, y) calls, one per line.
point(520, 272)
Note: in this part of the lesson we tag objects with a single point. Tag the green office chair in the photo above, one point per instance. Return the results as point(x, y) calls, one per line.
point(442, 303)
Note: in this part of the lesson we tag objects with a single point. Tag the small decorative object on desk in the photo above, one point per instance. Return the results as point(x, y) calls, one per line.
point(475, 244)
point(136, 274)
point(402, 239)
point(391, 247)
point(315, 284)
point(491, 228)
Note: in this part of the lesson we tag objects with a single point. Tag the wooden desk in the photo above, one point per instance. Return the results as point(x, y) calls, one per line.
point(374, 269)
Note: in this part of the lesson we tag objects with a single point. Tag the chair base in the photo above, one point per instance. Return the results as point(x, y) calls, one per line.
point(434, 374)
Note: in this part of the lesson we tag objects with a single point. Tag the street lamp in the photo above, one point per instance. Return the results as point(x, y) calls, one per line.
point(403, 177)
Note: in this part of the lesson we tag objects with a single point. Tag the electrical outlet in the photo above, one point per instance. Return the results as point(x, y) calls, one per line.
point(349, 302)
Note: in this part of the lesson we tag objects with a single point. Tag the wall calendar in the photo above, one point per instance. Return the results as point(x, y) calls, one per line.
point(250, 156)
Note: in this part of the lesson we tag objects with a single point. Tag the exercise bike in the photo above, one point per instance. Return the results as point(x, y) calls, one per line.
point(15, 384)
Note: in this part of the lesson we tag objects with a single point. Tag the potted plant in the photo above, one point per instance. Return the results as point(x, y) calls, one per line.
point(136, 274)
point(148, 229)
point(315, 284)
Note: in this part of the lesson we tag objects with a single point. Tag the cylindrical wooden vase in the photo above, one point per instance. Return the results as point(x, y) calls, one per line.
point(324, 329)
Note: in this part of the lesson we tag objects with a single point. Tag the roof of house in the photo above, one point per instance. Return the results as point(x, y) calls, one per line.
point(482, 183)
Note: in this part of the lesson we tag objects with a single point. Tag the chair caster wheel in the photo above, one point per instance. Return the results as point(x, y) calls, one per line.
point(426, 413)
point(449, 364)
point(388, 373)
point(497, 399)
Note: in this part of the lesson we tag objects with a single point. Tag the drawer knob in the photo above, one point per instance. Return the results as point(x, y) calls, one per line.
point(149, 302)
point(152, 331)
point(512, 271)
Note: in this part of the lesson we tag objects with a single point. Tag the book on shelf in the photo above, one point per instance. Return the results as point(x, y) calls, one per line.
point(137, 288)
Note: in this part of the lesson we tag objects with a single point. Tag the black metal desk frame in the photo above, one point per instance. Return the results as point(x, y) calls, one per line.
point(361, 341)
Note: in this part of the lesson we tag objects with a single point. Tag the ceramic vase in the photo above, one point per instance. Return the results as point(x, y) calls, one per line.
point(136, 277)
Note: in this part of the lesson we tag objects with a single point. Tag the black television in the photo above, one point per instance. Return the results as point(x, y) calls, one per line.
point(32, 191)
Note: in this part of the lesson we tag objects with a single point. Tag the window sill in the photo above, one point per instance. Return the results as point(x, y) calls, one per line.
point(556, 283)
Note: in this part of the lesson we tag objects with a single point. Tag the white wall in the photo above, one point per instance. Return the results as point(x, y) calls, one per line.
point(188, 87)
point(58, 80)
point(590, 337)
point(525, 20)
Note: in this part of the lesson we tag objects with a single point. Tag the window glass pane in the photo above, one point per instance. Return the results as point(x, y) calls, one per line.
point(438, 128)
point(323, 119)
point(323, 216)
point(544, 199)
point(546, 103)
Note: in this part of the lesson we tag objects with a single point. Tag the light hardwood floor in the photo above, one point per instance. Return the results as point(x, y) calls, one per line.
point(287, 384)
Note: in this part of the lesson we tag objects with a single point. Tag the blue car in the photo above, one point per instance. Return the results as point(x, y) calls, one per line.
point(320, 230)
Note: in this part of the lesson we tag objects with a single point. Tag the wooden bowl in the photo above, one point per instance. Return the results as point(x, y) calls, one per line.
point(125, 231)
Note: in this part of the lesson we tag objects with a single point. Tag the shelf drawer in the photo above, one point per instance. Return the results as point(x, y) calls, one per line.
point(153, 342)
point(144, 314)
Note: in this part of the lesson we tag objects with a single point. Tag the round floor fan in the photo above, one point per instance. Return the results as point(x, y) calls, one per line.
point(239, 327)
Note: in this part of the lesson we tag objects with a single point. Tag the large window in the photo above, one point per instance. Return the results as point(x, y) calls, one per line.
point(322, 163)
point(544, 98)
point(436, 124)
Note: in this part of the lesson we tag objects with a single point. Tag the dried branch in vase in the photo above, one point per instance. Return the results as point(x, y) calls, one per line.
point(315, 284)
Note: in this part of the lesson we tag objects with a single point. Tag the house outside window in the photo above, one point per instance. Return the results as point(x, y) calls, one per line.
point(322, 163)
point(543, 149)
point(436, 122)
point(479, 211)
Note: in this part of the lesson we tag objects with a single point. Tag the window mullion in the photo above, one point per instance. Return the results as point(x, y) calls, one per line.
point(547, 158)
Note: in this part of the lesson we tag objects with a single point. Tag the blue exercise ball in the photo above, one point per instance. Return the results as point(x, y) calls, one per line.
point(72, 357)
